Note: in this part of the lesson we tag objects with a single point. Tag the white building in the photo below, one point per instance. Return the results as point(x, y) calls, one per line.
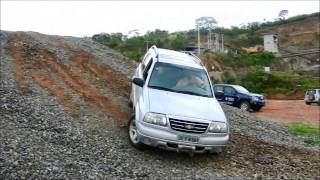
point(270, 43)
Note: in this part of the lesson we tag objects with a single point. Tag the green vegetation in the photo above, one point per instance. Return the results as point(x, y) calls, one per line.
point(257, 80)
point(238, 68)
point(257, 59)
point(235, 37)
point(135, 47)
point(306, 129)
point(290, 20)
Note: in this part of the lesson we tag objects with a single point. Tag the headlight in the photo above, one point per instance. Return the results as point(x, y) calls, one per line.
point(154, 118)
point(218, 127)
point(254, 98)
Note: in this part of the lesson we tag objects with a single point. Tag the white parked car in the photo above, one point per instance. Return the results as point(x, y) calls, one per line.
point(174, 105)
point(312, 96)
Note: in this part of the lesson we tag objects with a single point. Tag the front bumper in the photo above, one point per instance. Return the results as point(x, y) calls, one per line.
point(166, 138)
point(312, 100)
point(258, 103)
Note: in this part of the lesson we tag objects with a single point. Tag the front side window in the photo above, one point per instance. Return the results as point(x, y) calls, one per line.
point(229, 90)
point(180, 79)
point(241, 89)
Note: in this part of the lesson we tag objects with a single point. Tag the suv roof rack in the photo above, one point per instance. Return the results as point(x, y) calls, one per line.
point(195, 58)
point(155, 49)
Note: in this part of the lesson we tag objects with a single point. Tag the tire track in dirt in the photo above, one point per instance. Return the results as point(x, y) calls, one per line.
point(113, 79)
point(45, 82)
point(83, 88)
point(25, 63)
point(19, 68)
point(41, 58)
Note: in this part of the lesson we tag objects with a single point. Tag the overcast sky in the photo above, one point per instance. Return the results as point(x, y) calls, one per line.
point(84, 18)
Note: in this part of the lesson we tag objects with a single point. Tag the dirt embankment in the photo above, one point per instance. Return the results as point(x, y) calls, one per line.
point(63, 102)
point(32, 59)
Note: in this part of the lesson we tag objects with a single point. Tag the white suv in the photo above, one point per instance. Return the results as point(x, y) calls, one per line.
point(312, 96)
point(174, 105)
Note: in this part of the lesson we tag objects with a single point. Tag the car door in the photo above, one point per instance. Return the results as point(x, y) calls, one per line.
point(230, 95)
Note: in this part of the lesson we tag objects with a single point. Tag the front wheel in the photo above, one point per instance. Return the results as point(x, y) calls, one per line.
point(245, 106)
point(133, 134)
point(308, 103)
point(256, 109)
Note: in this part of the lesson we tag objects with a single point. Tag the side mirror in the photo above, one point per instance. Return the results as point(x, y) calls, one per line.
point(219, 93)
point(138, 82)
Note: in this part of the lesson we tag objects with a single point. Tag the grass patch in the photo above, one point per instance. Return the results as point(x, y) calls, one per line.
point(304, 129)
point(313, 142)
point(308, 130)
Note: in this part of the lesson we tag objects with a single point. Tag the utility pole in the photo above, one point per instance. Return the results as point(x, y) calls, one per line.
point(205, 23)
point(146, 41)
point(222, 46)
point(198, 40)
point(209, 39)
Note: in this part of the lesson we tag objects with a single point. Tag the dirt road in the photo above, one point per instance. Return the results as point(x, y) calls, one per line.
point(291, 111)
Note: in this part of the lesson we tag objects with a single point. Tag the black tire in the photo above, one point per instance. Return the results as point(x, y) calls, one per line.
point(132, 135)
point(256, 109)
point(308, 103)
point(245, 106)
point(218, 151)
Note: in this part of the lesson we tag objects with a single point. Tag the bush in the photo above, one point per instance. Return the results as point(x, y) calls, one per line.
point(256, 59)
point(136, 55)
point(228, 77)
point(256, 80)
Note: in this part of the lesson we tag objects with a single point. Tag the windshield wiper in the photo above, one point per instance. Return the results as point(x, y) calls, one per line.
point(162, 88)
point(193, 93)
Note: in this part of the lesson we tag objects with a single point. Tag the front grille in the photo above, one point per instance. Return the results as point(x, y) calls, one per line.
point(188, 126)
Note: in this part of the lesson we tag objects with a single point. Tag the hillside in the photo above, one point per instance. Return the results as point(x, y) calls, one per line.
point(64, 112)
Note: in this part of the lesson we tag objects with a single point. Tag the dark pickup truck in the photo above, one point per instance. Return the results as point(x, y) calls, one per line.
point(238, 96)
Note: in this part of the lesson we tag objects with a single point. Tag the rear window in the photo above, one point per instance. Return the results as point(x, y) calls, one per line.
point(311, 92)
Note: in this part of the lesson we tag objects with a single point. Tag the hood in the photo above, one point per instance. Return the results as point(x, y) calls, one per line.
point(254, 94)
point(178, 104)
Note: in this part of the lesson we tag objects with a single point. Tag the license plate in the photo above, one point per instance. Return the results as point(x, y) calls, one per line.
point(188, 138)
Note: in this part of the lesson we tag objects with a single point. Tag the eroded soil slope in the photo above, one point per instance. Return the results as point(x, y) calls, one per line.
point(63, 114)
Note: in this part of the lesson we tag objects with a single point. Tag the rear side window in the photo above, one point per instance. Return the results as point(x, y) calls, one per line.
point(146, 71)
point(145, 61)
point(218, 89)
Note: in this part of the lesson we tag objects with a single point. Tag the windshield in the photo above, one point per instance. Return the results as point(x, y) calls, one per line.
point(241, 89)
point(181, 79)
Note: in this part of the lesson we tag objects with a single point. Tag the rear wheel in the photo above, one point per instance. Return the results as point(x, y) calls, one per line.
point(245, 106)
point(133, 134)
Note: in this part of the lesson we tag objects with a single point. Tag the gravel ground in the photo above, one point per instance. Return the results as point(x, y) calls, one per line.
point(39, 139)
point(248, 124)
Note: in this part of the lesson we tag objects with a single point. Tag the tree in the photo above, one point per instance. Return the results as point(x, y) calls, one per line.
point(282, 14)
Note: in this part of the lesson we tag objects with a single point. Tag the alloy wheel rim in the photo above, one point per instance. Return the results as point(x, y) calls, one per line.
point(133, 132)
point(244, 106)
